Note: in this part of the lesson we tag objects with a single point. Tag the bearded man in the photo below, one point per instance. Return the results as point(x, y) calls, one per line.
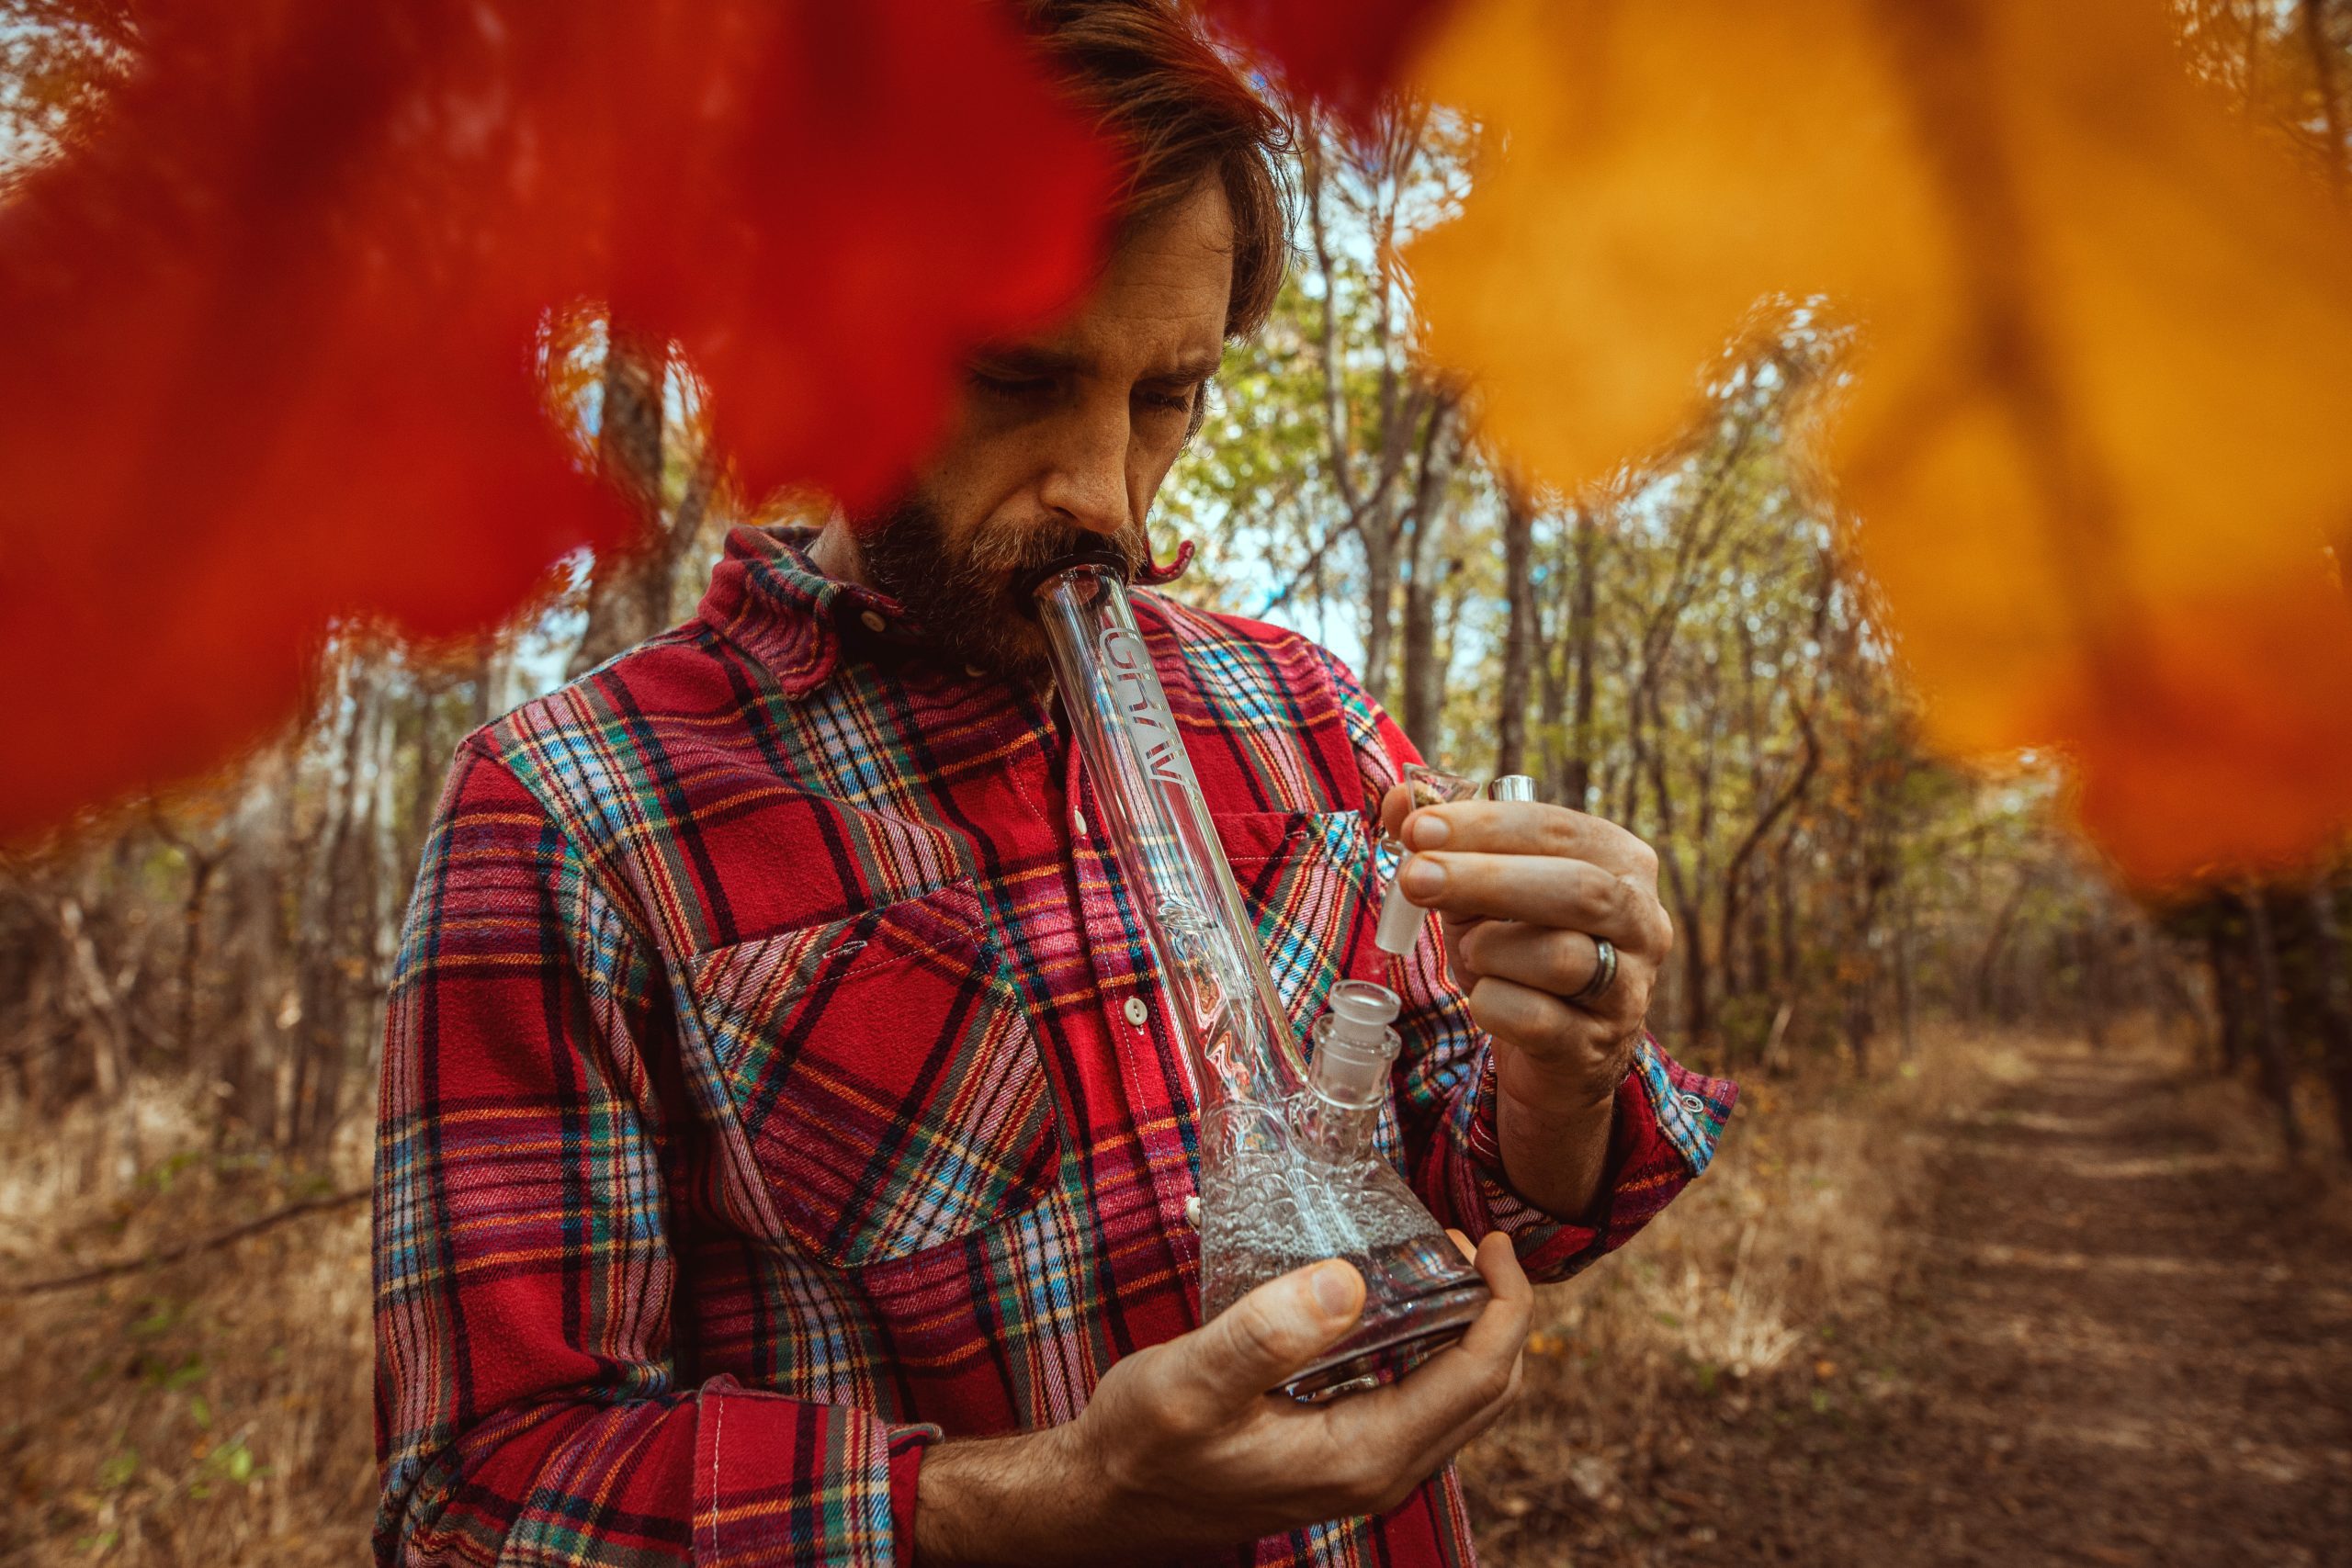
point(786, 1156)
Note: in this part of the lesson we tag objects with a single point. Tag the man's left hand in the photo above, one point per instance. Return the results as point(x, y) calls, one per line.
point(1525, 892)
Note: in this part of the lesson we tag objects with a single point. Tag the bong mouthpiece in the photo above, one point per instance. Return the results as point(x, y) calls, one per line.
point(1100, 556)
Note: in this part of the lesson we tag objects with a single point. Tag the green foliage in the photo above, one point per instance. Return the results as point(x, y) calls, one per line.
point(58, 58)
point(1706, 668)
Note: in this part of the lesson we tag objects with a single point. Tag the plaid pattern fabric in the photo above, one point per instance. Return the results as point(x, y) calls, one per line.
point(776, 1079)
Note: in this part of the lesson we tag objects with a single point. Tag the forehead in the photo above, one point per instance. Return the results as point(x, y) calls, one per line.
point(1160, 301)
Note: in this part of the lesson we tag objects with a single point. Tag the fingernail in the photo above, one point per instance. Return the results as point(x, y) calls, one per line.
point(1429, 832)
point(1422, 877)
point(1335, 1293)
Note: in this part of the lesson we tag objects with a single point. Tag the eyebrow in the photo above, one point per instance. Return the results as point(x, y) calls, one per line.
point(1027, 360)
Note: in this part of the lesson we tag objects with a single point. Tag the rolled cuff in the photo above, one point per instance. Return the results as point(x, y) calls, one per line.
point(778, 1481)
point(907, 1447)
point(1663, 1127)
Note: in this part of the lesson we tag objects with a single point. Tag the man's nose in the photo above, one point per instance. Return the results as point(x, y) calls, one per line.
point(1086, 472)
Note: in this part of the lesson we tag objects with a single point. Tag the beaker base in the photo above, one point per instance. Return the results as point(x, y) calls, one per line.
point(1398, 1341)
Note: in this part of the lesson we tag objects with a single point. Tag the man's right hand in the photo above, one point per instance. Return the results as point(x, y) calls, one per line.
point(1183, 1448)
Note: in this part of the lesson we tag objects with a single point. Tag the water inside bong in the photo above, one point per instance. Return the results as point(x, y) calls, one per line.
point(1271, 1203)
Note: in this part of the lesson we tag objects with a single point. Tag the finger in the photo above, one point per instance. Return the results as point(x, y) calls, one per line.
point(1470, 1379)
point(1498, 1262)
point(1534, 1020)
point(1440, 1448)
point(1269, 1335)
point(1394, 807)
point(1461, 1241)
point(1499, 1331)
point(1573, 894)
point(1559, 963)
point(1464, 1388)
point(1531, 827)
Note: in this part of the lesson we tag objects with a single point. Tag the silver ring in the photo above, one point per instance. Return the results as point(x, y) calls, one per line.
point(1604, 974)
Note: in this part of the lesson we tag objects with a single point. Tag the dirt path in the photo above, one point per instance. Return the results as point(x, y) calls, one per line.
point(2124, 1347)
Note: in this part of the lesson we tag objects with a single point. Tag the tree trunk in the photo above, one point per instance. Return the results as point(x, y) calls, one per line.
point(628, 592)
point(1519, 636)
point(113, 1073)
point(1424, 681)
point(2323, 53)
point(2327, 948)
point(1786, 943)
point(203, 866)
point(1551, 721)
point(336, 914)
point(1576, 783)
point(1424, 692)
point(200, 870)
point(1738, 873)
point(2229, 989)
point(2271, 1037)
point(1859, 1026)
point(1990, 957)
point(1698, 976)
point(1380, 569)
point(2095, 978)
point(1906, 985)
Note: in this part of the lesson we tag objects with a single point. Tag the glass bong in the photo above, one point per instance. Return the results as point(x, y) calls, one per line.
point(1290, 1171)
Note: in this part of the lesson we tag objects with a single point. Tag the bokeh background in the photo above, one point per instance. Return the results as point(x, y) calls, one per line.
point(2028, 1242)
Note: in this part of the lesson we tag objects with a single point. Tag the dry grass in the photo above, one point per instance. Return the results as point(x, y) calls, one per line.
point(1755, 1276)
point(214, 1411)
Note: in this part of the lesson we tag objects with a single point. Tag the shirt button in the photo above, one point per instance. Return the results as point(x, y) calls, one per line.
point(1078, 819)
point(874, 623)
point(1693, 1104)
point(1192, 1211)
point(1136, 1012)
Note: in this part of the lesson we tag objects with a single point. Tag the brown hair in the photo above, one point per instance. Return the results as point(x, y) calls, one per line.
point(1181, 113)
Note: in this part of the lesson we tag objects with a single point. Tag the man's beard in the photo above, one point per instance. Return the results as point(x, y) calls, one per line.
point(967, 597)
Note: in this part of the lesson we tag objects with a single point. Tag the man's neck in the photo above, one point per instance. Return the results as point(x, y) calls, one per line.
point(834, 552)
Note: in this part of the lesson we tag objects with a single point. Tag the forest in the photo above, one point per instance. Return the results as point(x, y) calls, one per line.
point(1869, 933)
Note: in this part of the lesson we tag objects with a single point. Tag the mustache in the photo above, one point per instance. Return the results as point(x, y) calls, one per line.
point(1015, 550)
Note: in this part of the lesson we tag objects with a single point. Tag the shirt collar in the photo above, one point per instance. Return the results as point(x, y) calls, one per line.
point(768, 598)
point(771, 599)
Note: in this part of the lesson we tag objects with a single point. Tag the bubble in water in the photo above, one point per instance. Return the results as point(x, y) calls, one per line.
point(1270, 1204)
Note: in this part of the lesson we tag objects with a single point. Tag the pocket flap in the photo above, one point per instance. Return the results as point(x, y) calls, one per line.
point(885, 1074)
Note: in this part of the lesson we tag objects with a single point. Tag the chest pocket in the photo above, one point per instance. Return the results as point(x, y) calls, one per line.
point(885, 1074)
point(1304, 875)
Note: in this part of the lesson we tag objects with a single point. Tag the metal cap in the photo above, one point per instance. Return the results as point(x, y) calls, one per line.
point(1511, 786)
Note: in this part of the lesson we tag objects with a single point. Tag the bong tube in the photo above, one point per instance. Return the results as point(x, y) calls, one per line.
point(1288, 1173)
point(1240, 1044)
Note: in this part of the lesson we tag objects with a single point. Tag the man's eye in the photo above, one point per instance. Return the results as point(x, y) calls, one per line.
point(1177, 401)
point(1010, 386)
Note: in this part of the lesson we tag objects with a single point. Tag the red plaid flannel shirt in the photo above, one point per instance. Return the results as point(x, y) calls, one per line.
point(776, 1079)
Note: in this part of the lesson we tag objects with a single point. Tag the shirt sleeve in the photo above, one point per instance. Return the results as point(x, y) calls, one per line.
point(528, 1403)
point(1665, 1124)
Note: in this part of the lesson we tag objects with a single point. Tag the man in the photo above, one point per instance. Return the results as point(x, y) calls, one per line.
point(785, 1156)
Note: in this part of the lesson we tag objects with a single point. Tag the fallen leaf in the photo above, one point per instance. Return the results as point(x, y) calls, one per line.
point(2094, 440)
point(1347, 52)
point(271, 330)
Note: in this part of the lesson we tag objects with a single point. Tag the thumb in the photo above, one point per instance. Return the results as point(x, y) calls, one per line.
point(1270, 1334)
